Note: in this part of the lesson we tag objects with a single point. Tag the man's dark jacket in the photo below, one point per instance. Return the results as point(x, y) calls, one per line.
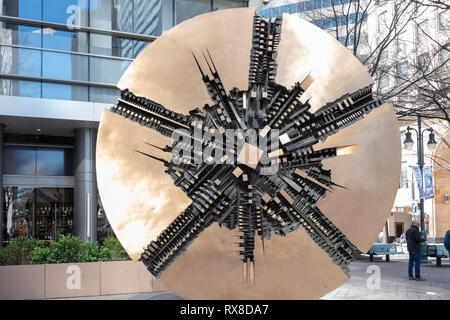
point(413, 239)
point(447, 240)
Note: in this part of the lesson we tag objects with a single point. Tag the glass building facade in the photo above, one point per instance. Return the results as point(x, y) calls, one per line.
point(95, 41)
point(304, 7)
point(59, 63)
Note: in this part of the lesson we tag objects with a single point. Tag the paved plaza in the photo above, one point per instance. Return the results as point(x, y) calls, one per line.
point(392, 283)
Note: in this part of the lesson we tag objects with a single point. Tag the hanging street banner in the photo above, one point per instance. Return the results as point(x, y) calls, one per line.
point(426, 190)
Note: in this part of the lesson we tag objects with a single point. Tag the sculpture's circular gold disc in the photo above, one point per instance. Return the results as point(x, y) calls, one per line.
point(140, 200)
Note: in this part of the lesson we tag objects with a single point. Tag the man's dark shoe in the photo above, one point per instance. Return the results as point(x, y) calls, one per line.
point(410, 278)
point(420, 279)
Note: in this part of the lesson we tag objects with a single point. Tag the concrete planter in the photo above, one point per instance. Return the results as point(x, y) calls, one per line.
point(22, 282)
point(75, 280)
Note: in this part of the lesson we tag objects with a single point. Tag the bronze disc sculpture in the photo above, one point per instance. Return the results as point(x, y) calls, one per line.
point(247, 158)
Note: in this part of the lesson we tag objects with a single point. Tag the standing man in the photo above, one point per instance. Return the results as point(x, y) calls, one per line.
point(447, 242)
point(413, 240)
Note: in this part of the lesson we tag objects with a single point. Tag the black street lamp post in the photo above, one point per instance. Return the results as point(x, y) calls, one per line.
point(409, 143)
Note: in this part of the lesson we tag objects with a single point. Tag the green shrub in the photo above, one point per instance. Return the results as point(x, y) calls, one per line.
point(90, 252)
point(19, 251)
point(68, 249)
point(105, 254)
point(118, 253)
point(39, 255)
point(11, 254)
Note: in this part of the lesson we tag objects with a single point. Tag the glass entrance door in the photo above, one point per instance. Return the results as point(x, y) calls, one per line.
point(40, 213)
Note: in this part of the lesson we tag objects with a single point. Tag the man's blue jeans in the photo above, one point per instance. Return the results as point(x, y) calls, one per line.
point(414, 261)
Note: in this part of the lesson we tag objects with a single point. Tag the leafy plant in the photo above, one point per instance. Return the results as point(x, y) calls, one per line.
point(39, 255)
point(68, 249)
point(105, 254)
point(90, 252)
point(118, 253)
point(19, 251)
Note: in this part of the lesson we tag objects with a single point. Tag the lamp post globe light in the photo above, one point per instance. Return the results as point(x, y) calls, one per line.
point(431, 144)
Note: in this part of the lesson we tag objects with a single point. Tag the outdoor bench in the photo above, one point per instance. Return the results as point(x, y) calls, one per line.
point(383, 249)
point(437, 251)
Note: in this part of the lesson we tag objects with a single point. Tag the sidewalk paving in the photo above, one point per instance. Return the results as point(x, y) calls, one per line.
point(394, 283)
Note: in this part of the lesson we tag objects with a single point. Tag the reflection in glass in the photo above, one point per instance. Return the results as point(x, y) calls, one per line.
point(112, 14)
point(226, 4)
point(19, 61)
point(147, 17)
point(64, 91)
point(106, 70)
point(104, 95)
point(111, 46)
point(11, 33)
point(19, 160)
point(27, 9)
point(54, 162)
point(18, 216)
point(72, 12)
point(103, 227)
point(65, 40)
point(40, 213)
point(12, 87)
point(24, 160)
point(139, 46)
point(53, 213)
point(186, 9)
point(75, 66)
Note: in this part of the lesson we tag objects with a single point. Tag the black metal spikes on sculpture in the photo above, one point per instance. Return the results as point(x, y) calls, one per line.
point(276, 192)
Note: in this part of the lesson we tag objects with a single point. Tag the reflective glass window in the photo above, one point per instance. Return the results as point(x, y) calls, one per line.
point(107, 70)
point(12, 87)
point(326, 3)
point(139, 46)
point(65, 40)
point(104, 95)
point(64, 91)
point(70, 12)
point(186, 9)
point(111, 46)
point(403, 42)
point(27, 9)
point(64, 66)
point(19, 160)
point(18, 212)
point(403, 70)
point(53, 212)
point(444, 20)
point(275, 12)
point(226, 4)
point(25, 62)
point(111, 14)
point(384, 81)
point(445, 54)
point(308, 5)
point(317, 4)
point(300, 6)
point(423, 32)
point(292, 8)
point(54, 161)
point(424, 62)
point(11, 33)
point(147, 17)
